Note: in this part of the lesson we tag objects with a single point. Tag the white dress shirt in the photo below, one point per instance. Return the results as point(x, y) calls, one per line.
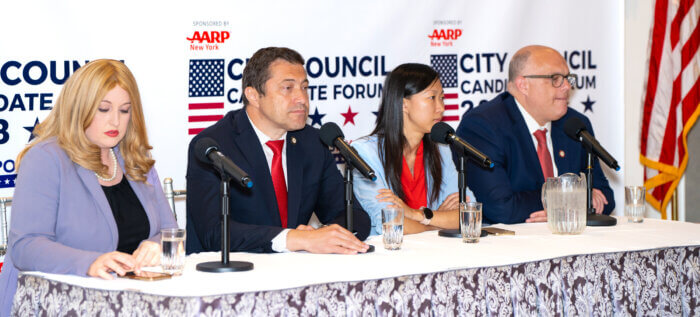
point(279, 243)
point(532, 127)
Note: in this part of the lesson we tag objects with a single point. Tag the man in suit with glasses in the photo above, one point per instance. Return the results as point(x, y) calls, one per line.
point(521, 130)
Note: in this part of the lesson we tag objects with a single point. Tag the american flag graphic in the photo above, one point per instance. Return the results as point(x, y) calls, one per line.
point(206, 93)
point(446, 66)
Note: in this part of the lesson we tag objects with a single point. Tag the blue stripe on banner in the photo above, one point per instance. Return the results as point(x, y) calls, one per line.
point(7, 181)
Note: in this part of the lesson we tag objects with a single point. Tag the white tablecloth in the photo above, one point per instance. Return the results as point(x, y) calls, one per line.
point(420, 253)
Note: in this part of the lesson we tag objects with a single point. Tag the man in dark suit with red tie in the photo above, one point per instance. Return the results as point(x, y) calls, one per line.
point(293, 173)
point(522, 132)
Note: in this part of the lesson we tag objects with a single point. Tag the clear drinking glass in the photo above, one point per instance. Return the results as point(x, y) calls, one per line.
point(172, 243)
point(635, 203)
point(470, 221)
point(392, 226)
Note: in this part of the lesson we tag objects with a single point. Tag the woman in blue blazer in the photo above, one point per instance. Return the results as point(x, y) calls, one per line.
point(413, 172)
point(88, 200)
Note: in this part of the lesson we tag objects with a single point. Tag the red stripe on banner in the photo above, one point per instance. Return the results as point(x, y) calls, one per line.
point(215, 117)
point(450, 96)
point(194, 131)
point(657, 45)
point(683, 9)
point(451, 107)
point(207, 105)
point(450, 118)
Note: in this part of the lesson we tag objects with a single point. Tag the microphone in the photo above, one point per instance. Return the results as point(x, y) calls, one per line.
point(332, 136)
point(207, 151)
point(576, 129)
point(443, 133)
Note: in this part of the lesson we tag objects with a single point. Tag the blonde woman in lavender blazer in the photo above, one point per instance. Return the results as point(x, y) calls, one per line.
point(66, 217)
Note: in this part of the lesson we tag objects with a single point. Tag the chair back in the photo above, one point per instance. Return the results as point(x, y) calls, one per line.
point(170, 194)
point(4, 201)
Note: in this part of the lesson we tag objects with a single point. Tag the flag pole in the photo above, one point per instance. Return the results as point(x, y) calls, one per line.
point(674, 205)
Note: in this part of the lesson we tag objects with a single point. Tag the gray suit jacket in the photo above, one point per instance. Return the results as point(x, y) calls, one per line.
point(61, 220)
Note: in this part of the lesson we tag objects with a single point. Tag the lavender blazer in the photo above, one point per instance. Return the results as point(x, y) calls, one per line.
point(61, 220)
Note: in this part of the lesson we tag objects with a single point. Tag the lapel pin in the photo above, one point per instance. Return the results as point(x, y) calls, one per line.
point(561, 153)
point(294, 140)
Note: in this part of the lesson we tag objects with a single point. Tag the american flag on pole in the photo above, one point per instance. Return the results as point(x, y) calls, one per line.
point(671, 98)
point(206, 93)
point(446, 66)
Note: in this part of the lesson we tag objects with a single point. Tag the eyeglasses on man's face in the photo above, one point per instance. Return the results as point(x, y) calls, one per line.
point(557, 79)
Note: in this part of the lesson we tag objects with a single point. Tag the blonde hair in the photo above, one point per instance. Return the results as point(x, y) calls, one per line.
point(75, 108)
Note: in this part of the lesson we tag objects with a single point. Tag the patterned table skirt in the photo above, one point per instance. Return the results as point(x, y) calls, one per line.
point(643, 283)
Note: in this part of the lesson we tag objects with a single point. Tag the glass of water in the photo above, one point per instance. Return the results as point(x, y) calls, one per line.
point(392, 225)
point(635, 203)
point(172, 243)
point(470, 221)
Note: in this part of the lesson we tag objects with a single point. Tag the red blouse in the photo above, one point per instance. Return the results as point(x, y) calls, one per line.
point(414, 186)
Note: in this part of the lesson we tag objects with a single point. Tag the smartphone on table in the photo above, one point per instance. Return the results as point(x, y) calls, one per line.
point(147, 276)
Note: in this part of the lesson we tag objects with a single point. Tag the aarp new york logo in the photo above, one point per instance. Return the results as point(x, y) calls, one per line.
point(208, 35)
point(445, 32)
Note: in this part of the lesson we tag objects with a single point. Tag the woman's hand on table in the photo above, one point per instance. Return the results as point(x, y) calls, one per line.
point(451, 202)
point(147, 254)
point(115, 261)
point(387, 196)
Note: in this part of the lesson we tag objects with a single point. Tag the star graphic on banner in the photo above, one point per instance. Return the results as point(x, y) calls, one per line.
point(588, 104)
point(31, 129)
point(349, 116)
point(316, 118)
point(375, 113)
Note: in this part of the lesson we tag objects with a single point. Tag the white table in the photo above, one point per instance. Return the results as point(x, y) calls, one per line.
point(497, 268)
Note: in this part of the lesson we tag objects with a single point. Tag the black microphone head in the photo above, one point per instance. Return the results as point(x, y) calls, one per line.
point(573, 127)
point(329, 132)
point(203, 147)
point(440, 131)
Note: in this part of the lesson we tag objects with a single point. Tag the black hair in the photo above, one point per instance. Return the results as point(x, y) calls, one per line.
point(404, 81)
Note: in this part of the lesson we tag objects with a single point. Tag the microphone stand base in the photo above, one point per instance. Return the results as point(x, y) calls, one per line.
point(219, 267)
point(369, 250)
point(450, 233)
point(596, 220)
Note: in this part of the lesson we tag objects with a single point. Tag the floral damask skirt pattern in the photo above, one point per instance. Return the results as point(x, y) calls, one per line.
point(651, 282)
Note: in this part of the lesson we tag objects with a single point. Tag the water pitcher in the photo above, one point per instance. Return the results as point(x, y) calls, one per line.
point(564, 198)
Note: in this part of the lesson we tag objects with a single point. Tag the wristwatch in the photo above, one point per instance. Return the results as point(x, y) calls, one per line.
point(427, 216)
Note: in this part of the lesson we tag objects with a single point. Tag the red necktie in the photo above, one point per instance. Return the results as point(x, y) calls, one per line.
point(543, 153)
point(278, 180)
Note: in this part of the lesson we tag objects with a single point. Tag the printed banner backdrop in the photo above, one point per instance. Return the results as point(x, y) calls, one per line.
point(188, 60)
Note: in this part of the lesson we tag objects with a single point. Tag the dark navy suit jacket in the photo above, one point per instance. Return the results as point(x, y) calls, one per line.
point(314, 185)
point(511, 191)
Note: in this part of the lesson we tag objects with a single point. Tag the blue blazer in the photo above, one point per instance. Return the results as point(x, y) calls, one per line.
point(366, 190)
point(511, 191)
point(61, 219)
point(313, 181)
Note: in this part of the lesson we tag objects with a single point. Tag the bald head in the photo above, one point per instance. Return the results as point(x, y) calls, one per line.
point(530, 83)
point(528, 55)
